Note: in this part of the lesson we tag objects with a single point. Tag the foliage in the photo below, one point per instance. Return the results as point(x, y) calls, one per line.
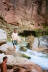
point(41, 32)
point(23, 55)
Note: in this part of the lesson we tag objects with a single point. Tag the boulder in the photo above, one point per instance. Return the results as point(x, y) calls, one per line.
point(28, 68)
point(44, 41)
point(4, 47)
point(41, 42)
point(14, 60)
point(3, 36)
point(20, 64)
point(7, 49)
point(10, 59)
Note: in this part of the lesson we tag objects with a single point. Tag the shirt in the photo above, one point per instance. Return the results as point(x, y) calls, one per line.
point(14, 36)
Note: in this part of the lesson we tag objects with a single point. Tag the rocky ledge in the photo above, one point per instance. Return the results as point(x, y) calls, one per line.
point(25, 68)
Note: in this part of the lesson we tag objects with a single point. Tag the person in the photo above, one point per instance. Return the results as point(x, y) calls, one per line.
point(3, 65)
point(14, 38)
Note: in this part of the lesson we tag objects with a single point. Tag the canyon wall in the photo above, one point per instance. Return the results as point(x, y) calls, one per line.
point(25, 12)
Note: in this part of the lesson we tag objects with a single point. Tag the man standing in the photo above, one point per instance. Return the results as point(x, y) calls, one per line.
point(14, 38)
point(3, 65)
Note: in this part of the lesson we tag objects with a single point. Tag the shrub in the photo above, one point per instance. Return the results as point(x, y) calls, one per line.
point(26, 56)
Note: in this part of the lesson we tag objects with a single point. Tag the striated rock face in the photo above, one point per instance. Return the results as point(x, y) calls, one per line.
point(24, 12)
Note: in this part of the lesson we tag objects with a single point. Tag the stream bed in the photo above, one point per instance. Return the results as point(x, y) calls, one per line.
point(38, 58)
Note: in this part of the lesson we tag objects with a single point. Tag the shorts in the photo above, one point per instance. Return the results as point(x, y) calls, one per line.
point(14, 42)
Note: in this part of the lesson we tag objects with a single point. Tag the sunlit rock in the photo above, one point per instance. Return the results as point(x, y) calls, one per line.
point(7, 49)
point(15, 11)
point(14, 60)
point(3, 36)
